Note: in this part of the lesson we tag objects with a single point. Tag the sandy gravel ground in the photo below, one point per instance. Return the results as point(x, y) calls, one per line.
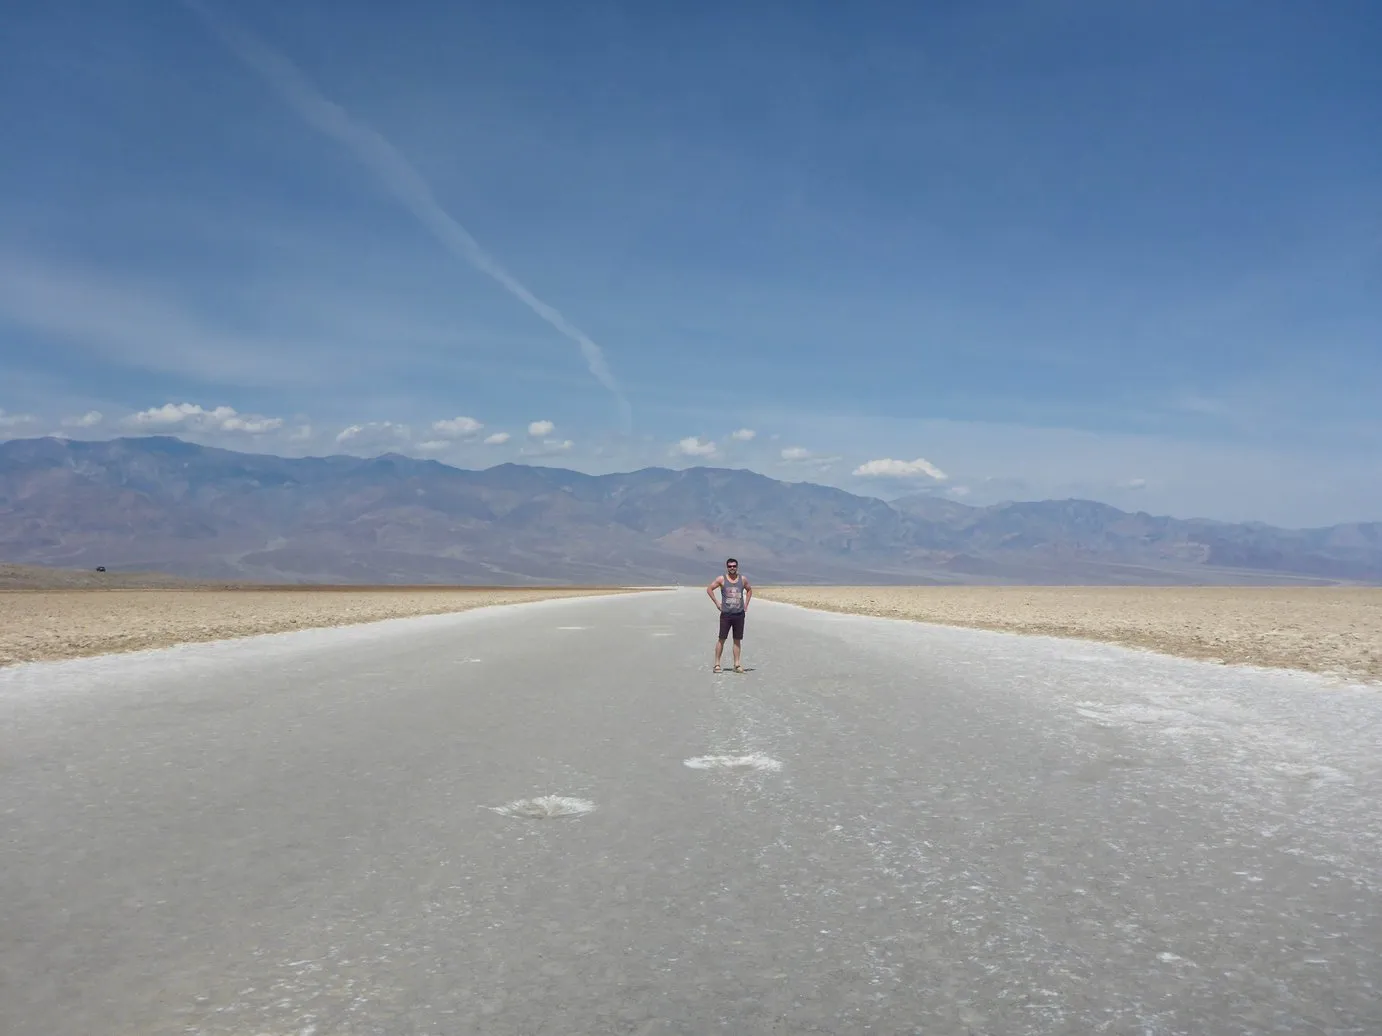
point(43, 577)
point(1335, 630)
point(40, 625)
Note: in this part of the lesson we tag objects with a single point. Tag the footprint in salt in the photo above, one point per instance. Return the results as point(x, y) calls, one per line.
point(755, 761)
point(545, 807)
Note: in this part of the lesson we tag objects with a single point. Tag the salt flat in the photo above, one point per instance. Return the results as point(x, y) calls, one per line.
point(552, 817)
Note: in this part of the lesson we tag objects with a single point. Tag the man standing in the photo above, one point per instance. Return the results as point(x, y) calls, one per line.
point(735, 594)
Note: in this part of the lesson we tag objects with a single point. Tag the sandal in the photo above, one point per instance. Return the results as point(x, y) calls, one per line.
point(738, 669)
point(717, 669)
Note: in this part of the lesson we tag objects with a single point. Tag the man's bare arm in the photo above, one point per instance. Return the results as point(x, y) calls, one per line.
point(748, 594)
point(710, 590)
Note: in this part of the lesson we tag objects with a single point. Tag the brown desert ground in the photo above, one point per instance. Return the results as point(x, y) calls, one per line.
point(1334, 630)
point(57, 614)
point(41, 577)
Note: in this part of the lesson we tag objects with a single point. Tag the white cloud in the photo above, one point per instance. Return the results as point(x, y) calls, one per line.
point(958, 491)
point(889, 468)
point(193, 417)
point(433, 445)
point(373, 431)
point(172, 414)
point(549, 447)
point(1133, 483)
point(743, 434)
point(252, 425)
point(88, 420)
point(301, 433)
point(497, 439)
point(457, 427)
point(540, 428)
point(692, 446)
point(12, 420)
point(801, 456)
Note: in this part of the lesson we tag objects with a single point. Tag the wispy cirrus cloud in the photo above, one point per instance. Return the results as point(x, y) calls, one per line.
point(397, 175)
point(129, 321)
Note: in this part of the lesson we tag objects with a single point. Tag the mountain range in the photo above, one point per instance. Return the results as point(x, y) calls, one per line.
point(161, 503)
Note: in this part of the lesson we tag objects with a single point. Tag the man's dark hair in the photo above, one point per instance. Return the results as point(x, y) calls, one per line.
point(731, 561)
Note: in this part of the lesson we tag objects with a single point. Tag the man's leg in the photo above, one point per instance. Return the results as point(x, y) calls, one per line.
point(738, 637)
point(724, 632)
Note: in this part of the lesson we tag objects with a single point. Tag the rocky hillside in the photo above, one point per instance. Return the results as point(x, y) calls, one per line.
point(162, 504)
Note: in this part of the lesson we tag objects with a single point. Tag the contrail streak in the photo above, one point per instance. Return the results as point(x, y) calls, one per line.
point(398, 175)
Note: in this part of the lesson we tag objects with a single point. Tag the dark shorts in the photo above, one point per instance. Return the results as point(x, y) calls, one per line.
point(732, 621)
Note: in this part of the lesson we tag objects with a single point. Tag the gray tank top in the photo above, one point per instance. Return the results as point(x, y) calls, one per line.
point(732, 594)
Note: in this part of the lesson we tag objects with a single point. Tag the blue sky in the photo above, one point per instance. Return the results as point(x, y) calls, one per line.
point(1129, 252)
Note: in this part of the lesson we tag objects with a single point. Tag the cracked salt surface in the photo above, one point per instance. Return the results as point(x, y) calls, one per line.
point(155, 670)
point(312, 997)
point(1290, 756)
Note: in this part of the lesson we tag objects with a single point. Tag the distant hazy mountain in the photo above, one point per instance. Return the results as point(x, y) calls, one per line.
point(162, 504)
